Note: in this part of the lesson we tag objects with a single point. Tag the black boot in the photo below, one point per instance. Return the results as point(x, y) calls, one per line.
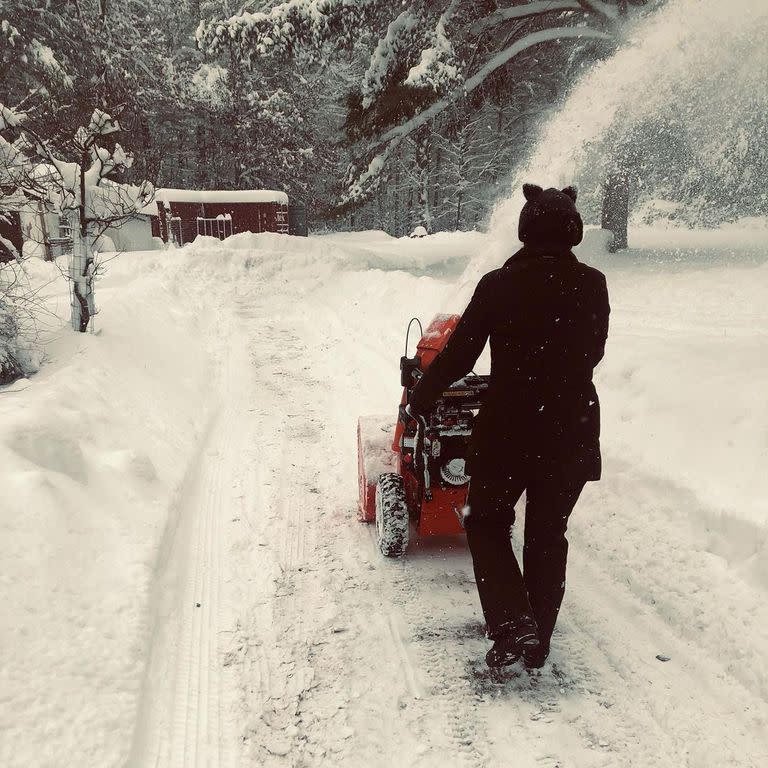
point(511, 641)
point(535, 658)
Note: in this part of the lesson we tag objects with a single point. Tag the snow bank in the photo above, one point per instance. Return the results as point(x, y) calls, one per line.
point(413, 254)
point(272, 253)
point(683, 380)
point(91, 451)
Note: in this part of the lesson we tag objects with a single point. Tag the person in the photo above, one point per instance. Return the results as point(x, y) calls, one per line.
point(538, 430)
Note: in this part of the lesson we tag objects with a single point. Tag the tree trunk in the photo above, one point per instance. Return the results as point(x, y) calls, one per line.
point(615, 216)
point(47, 250)
point(81, 275)
point(423, 165)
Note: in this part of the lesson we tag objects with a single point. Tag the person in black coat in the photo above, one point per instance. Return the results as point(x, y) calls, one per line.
point(538, 431)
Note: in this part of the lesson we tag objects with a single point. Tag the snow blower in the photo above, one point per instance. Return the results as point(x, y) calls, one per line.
point(413, 471)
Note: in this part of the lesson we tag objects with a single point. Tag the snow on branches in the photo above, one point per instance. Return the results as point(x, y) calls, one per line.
point(386, 53)
point(427, 57)
point(21, 47)
point(9, 118)
point(439, 67)
point(294, 27)
point(78, 185)
point(15, 164)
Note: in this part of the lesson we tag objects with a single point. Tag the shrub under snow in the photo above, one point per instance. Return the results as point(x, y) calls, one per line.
point(10, 367)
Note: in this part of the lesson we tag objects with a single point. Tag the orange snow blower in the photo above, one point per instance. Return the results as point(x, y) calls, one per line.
point(413, 471)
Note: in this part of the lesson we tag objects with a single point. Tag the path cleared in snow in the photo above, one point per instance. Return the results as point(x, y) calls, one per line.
point(333, 656)
point(278, 636)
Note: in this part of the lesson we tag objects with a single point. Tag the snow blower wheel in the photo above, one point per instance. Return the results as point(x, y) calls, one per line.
point(391, 515)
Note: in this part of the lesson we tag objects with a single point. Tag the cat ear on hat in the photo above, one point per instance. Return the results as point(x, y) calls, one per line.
point(571, 192)
point(532, 192)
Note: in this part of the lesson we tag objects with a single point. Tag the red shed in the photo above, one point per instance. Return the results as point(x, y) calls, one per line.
point(183, 214)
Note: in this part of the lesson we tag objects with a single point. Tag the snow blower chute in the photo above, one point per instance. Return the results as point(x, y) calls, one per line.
point(415, 472)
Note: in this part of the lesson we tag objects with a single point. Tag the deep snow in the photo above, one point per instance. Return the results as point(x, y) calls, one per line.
point(184, 580)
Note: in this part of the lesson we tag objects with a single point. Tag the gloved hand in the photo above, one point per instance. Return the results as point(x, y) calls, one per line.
point(417, 417)
point(421, 422)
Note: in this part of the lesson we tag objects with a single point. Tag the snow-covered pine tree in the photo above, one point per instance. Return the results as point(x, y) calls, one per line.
point(27, 60)
point(14, 301)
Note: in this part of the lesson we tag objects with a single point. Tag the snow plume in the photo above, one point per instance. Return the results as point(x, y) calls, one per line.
point(385, 56)
point(683, 103)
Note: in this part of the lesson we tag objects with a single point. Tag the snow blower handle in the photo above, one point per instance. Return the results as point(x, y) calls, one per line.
point(421, 430)
point(422, 472)
point(421, 422)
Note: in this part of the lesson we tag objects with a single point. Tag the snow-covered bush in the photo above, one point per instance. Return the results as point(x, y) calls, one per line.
point(10, 367)
point(13, 168)
point(21, 307)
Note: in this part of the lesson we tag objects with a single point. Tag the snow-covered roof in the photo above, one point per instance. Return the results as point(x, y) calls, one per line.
point(220, 196)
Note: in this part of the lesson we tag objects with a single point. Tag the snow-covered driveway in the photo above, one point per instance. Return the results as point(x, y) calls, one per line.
point(277, 636)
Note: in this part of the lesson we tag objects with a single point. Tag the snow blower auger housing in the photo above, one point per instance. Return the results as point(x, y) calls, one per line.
point(411, 472)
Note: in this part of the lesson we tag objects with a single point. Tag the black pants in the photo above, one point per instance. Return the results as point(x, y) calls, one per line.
point(505, 593)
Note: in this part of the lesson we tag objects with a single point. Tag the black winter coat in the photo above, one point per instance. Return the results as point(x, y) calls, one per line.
point(547, 319)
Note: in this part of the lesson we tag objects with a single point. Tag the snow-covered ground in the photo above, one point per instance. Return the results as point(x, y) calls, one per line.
point(184, 581)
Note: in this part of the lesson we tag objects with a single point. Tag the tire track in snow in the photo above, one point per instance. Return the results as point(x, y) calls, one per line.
point(432, 665)
point(182, 725)
point(198, 695)
point(449, 699)
point(272, 644)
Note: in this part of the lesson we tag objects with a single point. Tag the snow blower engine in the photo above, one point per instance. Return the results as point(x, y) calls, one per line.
point(414, 471)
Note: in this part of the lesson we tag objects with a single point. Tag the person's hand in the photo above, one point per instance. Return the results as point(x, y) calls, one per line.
point(421, 422)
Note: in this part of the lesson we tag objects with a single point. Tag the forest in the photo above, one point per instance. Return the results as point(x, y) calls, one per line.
point(373, 114)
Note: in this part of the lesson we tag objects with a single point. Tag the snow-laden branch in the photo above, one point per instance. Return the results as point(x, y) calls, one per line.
point(35, 52)
point(604, 9)
point(9, 118)
point(15, 165)
point(437, 67)
point(284, 28)
point(384, 54)
point(393, 137)
point(540, 7)
point(502, 58)
point(85, 187)
point(46, 60)
point(523, 11)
